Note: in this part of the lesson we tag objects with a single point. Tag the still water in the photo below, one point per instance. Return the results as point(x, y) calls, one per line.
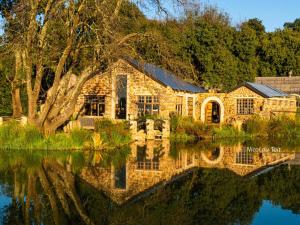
point(153, 183)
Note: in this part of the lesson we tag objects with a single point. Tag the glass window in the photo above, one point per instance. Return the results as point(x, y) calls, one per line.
point(148, 105)
point(179, 103)
point(190, 104)
point(245, 106)
point(244, 157)
point(94, 105)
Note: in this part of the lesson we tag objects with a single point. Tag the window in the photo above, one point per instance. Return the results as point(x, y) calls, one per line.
point(190, 105)
point(178, 161)
point(145, 163)
point(148, 105)
point(244, 157)
point(245, 106)
point(189, 159)
point(179, 102)
point(94, 105)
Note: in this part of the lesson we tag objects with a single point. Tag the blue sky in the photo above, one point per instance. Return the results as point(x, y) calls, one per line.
point(273, 13)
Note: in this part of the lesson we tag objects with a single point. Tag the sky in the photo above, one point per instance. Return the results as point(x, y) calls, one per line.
point(273, 13)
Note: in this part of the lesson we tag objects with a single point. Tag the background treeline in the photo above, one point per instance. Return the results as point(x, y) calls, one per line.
point(205, 48)
point(202, 47)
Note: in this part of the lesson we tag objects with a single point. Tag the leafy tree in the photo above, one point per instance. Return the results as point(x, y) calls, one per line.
point(73, 39)
point(294, 25)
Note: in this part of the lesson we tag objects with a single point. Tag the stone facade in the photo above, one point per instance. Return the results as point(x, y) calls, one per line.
point(138, 84)
point(191, 104)
point(263, 107)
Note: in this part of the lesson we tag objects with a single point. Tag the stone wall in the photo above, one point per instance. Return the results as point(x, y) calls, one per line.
point(138, 83)
point(263, 107)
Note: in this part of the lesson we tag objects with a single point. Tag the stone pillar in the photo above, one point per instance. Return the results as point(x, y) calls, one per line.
point(133, 128)
point(150, 129)
point(166, 129)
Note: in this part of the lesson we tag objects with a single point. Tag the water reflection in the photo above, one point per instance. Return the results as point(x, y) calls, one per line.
point(155, 163)
point(153, 181)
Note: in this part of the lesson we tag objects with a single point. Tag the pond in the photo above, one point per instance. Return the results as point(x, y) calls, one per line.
point(153, 183)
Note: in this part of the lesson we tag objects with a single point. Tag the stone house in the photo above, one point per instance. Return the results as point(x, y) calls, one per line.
point(131, 89)
point(245, 101)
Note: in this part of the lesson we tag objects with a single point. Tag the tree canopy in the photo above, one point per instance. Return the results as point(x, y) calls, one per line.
point(57, 45)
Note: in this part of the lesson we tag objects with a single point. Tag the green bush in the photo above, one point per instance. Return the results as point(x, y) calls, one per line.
point(15, 136)
point(228, 131)
point(186, 128)
point(113, 134)
point(283, 127)
point(255, 126)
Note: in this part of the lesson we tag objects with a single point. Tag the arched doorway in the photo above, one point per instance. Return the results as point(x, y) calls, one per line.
point(213, 156)
point(212, 111)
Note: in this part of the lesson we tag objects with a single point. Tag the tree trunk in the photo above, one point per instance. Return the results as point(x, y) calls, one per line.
point(16, 102)
point(15, 88)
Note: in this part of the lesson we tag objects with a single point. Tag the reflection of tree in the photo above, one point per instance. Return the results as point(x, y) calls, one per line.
point(205, 197)
point(282, 186)
point(44, 192)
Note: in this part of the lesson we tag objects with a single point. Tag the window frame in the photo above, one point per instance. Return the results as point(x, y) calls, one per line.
point(179, 105)
point(244, 106)
point(148, 105)
point(190, 107)
point(99, 101)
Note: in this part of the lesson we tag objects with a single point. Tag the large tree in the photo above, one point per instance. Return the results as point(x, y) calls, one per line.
point(68, 41)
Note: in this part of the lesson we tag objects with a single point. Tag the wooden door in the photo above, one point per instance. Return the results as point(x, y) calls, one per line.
point(208, 113)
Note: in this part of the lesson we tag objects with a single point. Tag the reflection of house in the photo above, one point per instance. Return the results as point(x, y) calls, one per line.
point(131, 89)
point(151, 165)
point(148, 166)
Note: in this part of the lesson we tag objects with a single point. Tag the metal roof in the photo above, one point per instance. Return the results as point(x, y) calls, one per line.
point(165, 77)
point(265, 90)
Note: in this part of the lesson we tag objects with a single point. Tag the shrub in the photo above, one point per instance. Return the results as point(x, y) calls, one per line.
point(113, 134)
point(185, 128)
point(227, 131)
point(15, 136)
point(283, 127)
point(255, 126)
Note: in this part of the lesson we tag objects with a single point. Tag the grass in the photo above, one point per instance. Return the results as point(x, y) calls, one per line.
point(107, 134)
point(276, 127)
point(228, 131)
point(185, 129)
point(15, 136)
point(113, 134)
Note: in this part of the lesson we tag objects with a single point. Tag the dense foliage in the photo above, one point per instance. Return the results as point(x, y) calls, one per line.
point(205, 48)
point(201, 46)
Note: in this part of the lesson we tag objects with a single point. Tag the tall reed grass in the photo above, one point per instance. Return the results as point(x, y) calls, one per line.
point(15, 136)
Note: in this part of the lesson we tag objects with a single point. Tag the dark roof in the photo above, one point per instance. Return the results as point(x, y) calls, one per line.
point(165, 77)
point(265, 90)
